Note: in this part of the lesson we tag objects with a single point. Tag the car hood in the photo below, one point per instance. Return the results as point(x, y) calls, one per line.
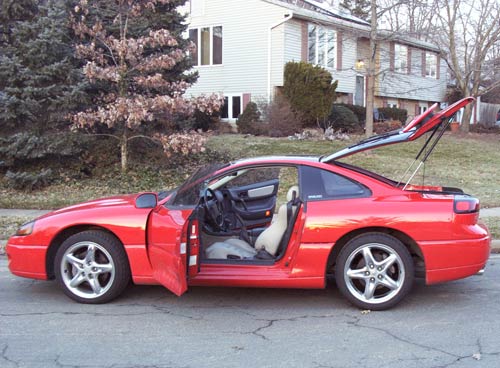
point(421, 124)
point(116, 201)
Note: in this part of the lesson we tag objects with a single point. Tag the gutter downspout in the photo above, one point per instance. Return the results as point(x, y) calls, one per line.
point(269, 39)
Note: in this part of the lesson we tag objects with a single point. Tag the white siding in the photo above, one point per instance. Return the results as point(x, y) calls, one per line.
point(245, 43)
point(411, 86)
point(347, 75)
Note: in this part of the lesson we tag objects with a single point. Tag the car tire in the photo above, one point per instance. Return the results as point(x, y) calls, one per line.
point(92, 267)
point(374, 271)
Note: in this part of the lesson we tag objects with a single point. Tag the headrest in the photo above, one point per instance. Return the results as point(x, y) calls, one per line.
point(290, 196)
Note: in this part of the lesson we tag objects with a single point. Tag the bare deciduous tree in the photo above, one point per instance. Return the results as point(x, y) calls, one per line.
point(134, 69)
point(470, 31)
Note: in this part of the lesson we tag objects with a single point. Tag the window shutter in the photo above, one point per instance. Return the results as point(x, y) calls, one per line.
point(417, 108)
point(339, 50)
point(350, 98)
point(438, 66)
point(408, 61)
point(246, 99)
point(392, 55)
point(303, 44)
point(423, 63)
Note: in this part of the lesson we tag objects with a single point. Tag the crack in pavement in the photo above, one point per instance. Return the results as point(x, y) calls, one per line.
point(6, 358)
point(271, 322)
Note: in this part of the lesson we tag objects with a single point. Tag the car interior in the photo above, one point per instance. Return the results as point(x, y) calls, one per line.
point(248, 215)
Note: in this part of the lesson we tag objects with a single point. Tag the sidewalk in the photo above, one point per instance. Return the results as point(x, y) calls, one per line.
point(485, 212)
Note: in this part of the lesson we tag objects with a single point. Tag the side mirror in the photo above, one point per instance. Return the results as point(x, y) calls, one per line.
point(146, 200)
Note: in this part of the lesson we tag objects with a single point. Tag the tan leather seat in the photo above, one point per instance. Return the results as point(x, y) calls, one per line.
point(269, 239)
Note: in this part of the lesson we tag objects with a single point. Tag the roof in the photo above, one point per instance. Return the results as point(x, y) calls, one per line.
point(281, 159)
point(407, 40)
point(328, 15)
point(324, 16)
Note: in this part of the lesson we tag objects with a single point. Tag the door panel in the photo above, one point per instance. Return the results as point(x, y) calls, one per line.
point(167, 247)
point(254, 203)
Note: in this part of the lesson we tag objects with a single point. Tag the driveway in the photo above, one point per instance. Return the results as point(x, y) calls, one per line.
point(454, 325)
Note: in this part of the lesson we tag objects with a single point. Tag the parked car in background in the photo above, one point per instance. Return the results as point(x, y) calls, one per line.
point(273, 222)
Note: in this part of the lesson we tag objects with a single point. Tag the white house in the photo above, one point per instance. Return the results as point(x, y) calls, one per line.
point(243, 46)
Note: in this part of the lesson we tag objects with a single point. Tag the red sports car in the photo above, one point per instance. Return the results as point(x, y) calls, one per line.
point(277, 222)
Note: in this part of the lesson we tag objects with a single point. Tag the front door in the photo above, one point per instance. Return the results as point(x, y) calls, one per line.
point(359, 96)
point(170, 234)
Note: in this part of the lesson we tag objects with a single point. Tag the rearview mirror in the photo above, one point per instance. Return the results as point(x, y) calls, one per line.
point(146, 200)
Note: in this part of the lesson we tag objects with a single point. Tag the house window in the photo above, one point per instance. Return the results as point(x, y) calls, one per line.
point(401, 58)
point(430, 65)
point(422, 107)
point(233, 104)
point(392, 103)
point(208, 42)
point(321, 44)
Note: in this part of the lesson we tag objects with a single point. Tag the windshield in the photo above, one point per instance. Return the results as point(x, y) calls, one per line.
point(189, 193)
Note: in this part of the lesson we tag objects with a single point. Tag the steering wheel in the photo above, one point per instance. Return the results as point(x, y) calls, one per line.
point(214, 208)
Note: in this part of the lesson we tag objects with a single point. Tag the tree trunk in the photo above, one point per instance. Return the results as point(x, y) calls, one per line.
point(466, 117)
point(370, 89)
point(124, 151)
point(370, 72)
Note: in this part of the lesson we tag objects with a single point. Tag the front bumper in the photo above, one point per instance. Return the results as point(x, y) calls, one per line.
point(26, 260)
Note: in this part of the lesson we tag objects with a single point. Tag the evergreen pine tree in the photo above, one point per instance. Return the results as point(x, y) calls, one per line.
point(40, 78)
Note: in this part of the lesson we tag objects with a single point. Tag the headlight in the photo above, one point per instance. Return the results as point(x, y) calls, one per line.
point(26, 229)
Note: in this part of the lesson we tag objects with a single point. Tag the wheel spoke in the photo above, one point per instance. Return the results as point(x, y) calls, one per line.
point(77, 280)
point(90, 257)
point(103, 268)
point(357, 274)
point(74, 261)
point(95, 285)
point(368, 256)
point(389, 282)
point(369, 289)
point(388, 262)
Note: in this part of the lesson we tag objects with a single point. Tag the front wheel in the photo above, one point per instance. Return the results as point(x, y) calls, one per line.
point(92, 267)
point(374, 271)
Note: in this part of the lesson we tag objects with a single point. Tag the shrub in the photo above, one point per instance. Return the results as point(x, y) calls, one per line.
point(359, 111)
point(282, 120)
point(310, 91)
point(394, 113)
point(205, 121)
point(28, 181)
point(246, 122)
point(343, 119)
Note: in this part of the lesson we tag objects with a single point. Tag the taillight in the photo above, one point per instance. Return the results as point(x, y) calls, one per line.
point(465, 204)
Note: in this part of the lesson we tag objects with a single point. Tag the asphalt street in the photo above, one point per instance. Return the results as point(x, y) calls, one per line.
point(454, 324)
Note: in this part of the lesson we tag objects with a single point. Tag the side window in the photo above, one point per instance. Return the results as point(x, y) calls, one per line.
point(318, 184)
point(252, 176)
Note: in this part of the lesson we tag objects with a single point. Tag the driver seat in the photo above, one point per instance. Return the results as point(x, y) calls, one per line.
point(269, 240)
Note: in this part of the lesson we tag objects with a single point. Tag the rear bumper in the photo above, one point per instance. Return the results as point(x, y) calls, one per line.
point(452, 260)
point(27, 260)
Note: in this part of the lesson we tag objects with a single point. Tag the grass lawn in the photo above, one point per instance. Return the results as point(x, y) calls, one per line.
point(470, 162)
point(493, 224)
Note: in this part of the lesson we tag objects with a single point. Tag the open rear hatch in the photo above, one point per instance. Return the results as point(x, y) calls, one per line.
point(430, 121)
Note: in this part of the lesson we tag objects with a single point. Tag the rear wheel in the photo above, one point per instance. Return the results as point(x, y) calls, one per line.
point(374, 271)
point(92, 267)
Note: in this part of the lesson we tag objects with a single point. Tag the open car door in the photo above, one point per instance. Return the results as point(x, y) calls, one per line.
point(173, 247)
